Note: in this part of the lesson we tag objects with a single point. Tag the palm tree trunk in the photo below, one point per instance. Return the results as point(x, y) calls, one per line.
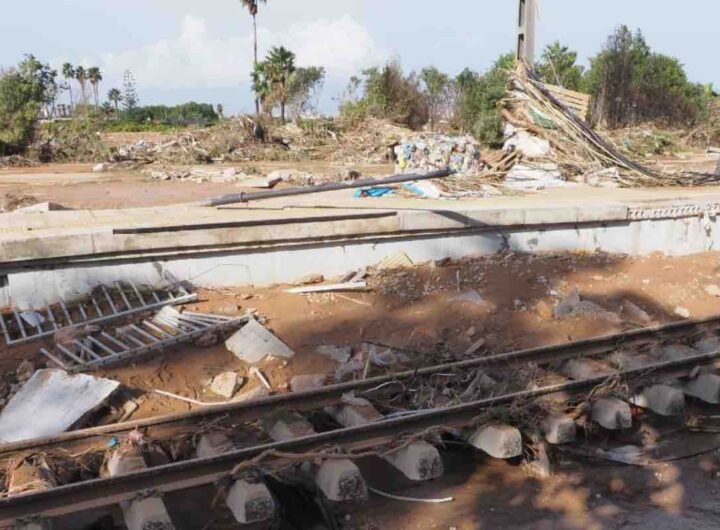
point(255, 50)
point(72, 103)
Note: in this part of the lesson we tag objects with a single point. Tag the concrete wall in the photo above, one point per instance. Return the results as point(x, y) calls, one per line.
point(670, 236)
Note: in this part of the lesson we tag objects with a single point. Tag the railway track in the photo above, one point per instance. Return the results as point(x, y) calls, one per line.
point(367, 431)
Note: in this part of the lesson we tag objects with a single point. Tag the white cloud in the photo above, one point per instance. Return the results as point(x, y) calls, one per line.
point(195, 58)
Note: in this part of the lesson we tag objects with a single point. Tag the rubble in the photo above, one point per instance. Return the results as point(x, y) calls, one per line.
point(253, 342)
point(225, 384)
point(429, 152)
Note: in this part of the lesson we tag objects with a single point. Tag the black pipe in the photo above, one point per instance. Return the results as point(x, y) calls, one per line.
point(330, 186)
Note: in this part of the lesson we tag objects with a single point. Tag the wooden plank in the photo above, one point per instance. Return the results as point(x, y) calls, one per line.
point(577, 102)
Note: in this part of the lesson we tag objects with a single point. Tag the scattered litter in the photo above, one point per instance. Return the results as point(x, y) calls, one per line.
point(429, 152)
point(523, 177)
point(475, 347)
point(350, 286)
point(375, 191)
point(525, 143)
point(423, 188)
point(100, 168)
point(471, 297)
point(340, 354)
point(602, 178)
point(410, 499)
point(129, 408)
point(252, 343)
point(190, 400)
point(55, 400)
point(257, 373)
point(32, 318)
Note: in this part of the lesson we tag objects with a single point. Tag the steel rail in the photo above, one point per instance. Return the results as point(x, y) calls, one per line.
point(330, 186)
point(162, 426)
point(103, 492)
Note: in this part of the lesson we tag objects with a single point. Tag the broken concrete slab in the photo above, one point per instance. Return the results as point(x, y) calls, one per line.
point(559, 429)
point(705, 387)
point(225, 384)
point(328, 288)
point(55, 400)
point(304, 383)
point(253, 342)
point(341, 481)
point(497, 440)
point(250, 502)
point(661, 399)
point(611, 413)
point(418, 461)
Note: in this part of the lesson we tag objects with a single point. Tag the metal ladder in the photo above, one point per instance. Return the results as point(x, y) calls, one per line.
point(116, 302)
point(167, 328)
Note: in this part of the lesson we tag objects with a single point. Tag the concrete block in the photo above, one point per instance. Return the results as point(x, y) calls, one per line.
point(418, 461)
point(341, 481)
point(304, 383)
point(225, 384)
point(559, 429)
point(586, 369)
point(252, 343)
point(213, 444)
point(705, 387)
point(499, 441)
point(125, 462)
point(147, 514)
point(289, 427)
point(250, 503)
point(611, 413)
point(661, 399)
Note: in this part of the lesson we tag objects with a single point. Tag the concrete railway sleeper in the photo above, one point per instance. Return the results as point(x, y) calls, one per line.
point(169, 425)
point(328, 457)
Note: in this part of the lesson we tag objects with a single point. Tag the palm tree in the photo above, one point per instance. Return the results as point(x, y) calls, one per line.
point(261, 85)
point(115, 96)
point(95, 76)
point(252, 7)
point(281, 65)
point(81, 76)
point(68, 71)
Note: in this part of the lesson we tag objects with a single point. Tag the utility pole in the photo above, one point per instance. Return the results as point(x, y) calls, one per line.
point(527, 15)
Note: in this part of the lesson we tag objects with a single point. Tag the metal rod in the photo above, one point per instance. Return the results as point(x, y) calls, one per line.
point(81, 308)
point(19, 323)
point(102, 346)
point(110, 300)
point(97, 307)
point(122, 294)
point(5, 331)
point(137, 293)
point(66, 312)
point(54, 358)
point(236, 198)
point(51, 316)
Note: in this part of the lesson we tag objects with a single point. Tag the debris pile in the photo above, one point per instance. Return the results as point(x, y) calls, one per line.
point(430, 152)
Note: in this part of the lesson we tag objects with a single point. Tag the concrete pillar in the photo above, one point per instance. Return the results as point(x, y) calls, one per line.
point(559, 429)
point(526, 31)
point(341, 481)
point(249, 502)
point(418, 461)
point(148, 513)
point(611, 413)
point(661, 399)
point(499, 441)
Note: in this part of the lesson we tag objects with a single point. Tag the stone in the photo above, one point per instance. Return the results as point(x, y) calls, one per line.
point(213, 444)
point(125, 462)
point(225, 384)
point(289, 427)
point(572, 305)
point(253, 342)
point(673, 352)
point(661, 399)
point(497, 440)
point(99, 168)
point(712, 290)
point(611, 413)
point(354, 415)
point(418, 461)
point(341, 481)
point(634, 314)
point(631, 360)
point(250, 503)
point(705, 387)
point(340, 354)
point(707, 344)
point(311, 279)
point(586, 369)
point(559, 429)
point(682, 312)
point(25, 371)
point(304, 383)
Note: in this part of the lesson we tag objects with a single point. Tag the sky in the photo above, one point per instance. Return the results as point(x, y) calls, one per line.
point(181, 50)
